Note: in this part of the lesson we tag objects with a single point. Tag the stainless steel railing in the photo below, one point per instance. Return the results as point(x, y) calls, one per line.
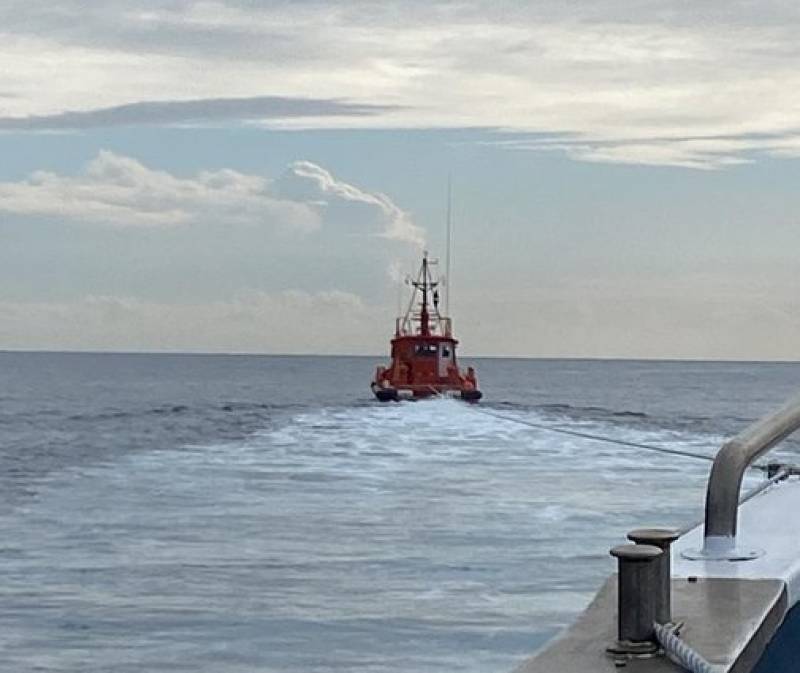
point(725, 481)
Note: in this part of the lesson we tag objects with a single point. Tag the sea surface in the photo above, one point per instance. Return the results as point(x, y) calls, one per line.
point(223, 513)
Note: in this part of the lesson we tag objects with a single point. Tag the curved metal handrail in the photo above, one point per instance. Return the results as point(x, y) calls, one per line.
point(725, 481)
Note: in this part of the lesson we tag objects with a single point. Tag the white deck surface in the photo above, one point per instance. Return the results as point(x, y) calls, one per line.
point(769, 522)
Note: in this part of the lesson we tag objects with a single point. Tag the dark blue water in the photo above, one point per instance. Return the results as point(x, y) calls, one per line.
point(239, 513)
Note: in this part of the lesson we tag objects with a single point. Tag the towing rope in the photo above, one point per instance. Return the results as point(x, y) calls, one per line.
point(602, 438)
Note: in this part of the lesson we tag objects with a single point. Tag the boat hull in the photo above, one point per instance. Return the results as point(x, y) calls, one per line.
point(386, 394)
point(395, 394)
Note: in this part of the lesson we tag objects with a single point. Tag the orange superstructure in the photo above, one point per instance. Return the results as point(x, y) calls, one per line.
point(424, 350)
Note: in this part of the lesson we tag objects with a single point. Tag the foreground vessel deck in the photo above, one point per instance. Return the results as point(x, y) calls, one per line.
point(734, 596)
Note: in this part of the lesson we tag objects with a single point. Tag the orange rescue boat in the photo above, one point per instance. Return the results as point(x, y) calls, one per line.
point(424, 350)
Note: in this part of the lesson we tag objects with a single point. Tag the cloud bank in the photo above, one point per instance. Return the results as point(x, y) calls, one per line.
point(692, 315)
point(728, 320)
point(699, 85)
point(256, 322)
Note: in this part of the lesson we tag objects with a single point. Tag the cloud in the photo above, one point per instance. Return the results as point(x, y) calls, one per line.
point(641, 75)
point(697, 153)
point(120, 191)
point(732, 318)
point(309, 183)
point(292, 321)
point(121, 227)
point(192, 111)
point(681, 315)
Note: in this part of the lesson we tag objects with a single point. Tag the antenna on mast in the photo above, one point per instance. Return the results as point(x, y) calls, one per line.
point(400, 283)
point(449, 239)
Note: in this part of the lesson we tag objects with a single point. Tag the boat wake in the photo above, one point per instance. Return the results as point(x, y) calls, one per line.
point(449, 429)
point(380, 533)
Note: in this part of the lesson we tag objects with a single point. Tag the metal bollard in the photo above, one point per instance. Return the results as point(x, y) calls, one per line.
point(661, 538)
point(637, 591)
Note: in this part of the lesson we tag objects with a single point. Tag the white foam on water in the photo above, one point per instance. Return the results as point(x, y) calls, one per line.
point(365, 528)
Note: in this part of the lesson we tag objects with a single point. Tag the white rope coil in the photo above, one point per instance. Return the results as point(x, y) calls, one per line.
point(681, 653)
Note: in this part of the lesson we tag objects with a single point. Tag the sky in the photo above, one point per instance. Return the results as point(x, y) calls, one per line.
point(259, 176)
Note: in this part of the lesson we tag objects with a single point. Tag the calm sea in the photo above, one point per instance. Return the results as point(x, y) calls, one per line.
point(236, 513)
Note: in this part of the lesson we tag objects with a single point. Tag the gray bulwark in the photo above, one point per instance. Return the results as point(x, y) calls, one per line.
point(728, 621)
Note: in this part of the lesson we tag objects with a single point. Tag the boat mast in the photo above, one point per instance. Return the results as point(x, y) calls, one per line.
point(424, 328)
point(430, 321)
point(449, 239)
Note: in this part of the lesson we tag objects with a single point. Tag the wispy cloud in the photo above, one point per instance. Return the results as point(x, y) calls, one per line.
point(193, 111)
point(313, 184)
point(698, 153)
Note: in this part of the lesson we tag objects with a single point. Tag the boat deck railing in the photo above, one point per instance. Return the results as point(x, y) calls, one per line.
point(727, 472)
